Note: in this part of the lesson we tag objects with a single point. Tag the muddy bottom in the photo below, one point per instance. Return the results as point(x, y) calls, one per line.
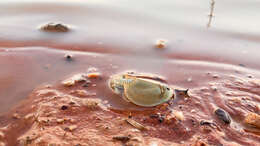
point(87, 112)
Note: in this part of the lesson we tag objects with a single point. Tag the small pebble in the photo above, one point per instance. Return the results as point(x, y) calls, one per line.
point(68, 57)
point(178, 115)
point(68, 83)
point(73, 80)
point(214, 88)
point(193, 111)
point(242, 65)
point(215, 76)
point(60, 120)
point(223, 115)
point(54, 27)
point(253, 119)
point(91, 103)
point(71, 128)
point(93, 75)
point(64, 107)
point(16, 116)
point(189, 79)
point(92, 69)
point(161, 44)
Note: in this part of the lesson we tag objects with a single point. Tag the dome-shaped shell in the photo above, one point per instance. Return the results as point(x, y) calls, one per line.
point(140, 91)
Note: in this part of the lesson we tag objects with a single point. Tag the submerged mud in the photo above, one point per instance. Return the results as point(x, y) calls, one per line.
point(68, 112)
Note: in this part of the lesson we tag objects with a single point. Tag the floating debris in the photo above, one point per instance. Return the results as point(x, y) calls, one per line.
point(121, 138)
point(161, 43)
point(253, 119)
point(55, 27)
point(223, 115)
point(136, 124)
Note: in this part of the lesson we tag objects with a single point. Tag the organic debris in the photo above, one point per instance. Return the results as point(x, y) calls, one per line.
point(136, 124)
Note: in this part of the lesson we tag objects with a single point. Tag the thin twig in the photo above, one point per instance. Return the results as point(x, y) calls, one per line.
point(212, 4)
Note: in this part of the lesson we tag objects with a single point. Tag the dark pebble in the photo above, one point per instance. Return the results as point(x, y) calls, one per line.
point(223, 115)
point(64, 107)
point(68, 57)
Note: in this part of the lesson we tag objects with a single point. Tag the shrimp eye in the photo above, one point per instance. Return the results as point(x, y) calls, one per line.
point(168, 88)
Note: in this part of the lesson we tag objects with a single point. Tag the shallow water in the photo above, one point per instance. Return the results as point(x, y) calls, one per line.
point(120, 35)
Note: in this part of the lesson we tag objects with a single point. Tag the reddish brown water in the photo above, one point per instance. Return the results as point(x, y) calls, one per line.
point(120, 35)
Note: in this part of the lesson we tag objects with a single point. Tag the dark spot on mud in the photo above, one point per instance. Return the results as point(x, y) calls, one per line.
point(121, 138)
